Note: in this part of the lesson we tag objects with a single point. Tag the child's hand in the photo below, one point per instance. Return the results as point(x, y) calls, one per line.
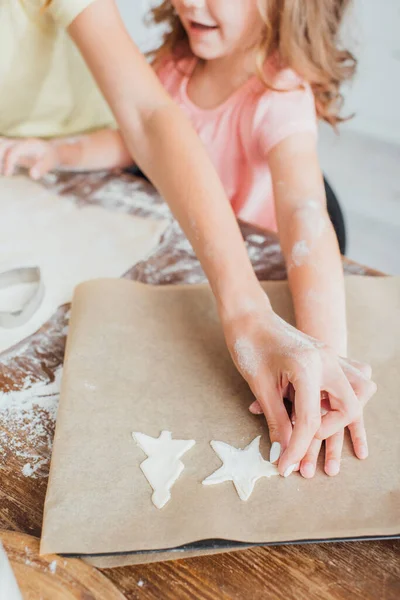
point(39, 156)
point(271, 355)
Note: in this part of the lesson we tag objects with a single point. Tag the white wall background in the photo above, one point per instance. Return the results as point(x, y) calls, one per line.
point(133, 13)
point(372, 30)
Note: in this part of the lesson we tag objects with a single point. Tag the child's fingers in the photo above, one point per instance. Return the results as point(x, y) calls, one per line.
point(359, 438)
point(359, 379)
point(333, 453)
point(363, 367)
point(345, 406)
point(309, 463)
point(255, 408)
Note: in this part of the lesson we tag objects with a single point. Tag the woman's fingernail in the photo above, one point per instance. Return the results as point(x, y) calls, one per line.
point(308, 469)
point(363, 451)
point(332, 467)
point(275, 452)
point(289, 470)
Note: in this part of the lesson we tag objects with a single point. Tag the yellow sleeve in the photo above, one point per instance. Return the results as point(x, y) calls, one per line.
point(65, 11)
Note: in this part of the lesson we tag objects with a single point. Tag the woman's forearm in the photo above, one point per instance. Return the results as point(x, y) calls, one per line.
point(103, 149)
point(165, 146)
point(178, 165)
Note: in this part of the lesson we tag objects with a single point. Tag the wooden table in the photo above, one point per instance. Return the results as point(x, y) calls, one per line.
point(365, 570)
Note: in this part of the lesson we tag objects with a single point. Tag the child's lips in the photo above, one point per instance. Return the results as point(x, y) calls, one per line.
point(201, 27)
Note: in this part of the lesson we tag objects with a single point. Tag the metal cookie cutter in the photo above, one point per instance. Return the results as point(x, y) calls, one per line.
point(16, 318)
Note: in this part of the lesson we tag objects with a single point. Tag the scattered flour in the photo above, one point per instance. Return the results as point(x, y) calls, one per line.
point(53, 567)
point(28, 417)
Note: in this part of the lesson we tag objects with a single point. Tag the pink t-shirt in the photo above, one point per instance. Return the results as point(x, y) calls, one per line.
point(239, 133)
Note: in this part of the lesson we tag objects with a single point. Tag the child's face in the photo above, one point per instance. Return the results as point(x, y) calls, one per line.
point(217, 28)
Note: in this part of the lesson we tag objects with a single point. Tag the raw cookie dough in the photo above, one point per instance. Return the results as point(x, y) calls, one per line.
point(69, 244)
point(8, 586)
point(162, 468)
point(243, 467)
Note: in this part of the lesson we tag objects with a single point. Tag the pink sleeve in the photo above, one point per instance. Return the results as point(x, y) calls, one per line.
point(281, 114)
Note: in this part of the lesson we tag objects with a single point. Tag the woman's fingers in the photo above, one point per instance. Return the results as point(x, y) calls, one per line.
point(308, 420)
point(13, 155)
point(5, 145)
point(279, 426)
point(333, 453)
point(42, 166)
point(26, 153)
point(359, 438)
point(309, 463)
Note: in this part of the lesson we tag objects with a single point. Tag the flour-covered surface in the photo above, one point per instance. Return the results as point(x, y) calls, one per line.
point(27, 411)
point(30, 413)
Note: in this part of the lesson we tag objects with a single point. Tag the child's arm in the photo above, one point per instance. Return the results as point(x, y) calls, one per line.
point(314, 266)
point(103, 149)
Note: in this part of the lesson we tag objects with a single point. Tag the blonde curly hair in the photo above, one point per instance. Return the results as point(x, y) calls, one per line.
point(302, 34)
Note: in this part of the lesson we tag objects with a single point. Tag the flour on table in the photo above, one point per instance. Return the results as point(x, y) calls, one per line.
point(163, 466)
point(53, 567)
point(70, 244)
point(8, 585)
point(29, 414)
point(242, 467)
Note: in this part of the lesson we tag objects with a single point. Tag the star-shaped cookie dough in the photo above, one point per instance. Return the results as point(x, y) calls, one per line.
point(243, 467)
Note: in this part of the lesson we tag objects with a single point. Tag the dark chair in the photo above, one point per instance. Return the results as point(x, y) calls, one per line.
point(336, 216)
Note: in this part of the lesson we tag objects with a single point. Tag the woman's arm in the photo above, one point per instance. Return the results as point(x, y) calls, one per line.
point(314, 266)
point(103, 149)
point(166, 148)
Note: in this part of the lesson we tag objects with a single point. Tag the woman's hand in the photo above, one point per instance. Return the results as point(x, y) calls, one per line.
point(272, 356)
point(39, 156)
point(359, 376)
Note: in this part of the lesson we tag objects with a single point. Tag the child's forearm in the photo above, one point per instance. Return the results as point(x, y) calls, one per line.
point(315, 276)
point(309, 242)
point(104, 149)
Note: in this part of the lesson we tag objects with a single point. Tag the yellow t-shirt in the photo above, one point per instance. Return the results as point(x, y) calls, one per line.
point(46, 89)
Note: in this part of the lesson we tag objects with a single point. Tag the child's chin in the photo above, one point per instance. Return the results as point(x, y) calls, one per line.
point(203, 53)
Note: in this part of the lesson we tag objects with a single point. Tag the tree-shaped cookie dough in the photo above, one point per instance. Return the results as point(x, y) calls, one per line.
point(162, 468)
